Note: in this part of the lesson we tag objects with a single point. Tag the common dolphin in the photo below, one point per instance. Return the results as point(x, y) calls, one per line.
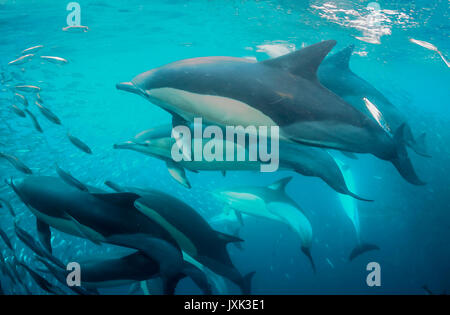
point(350, 207)
point(335, 74)
point(282, 92)
point(127, 269)
point(271, 202)
point(193, 234)
point(108, 218)
point(308, 161)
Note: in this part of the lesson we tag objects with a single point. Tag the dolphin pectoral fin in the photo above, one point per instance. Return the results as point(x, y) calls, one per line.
point(239, 217)
point(44, 234)
point(361, 249)
point(122, 199)
point(178, 173)
point(303, 62)
point(401, 161)
point(350, 155)
point(80, 229)
point(307, 252)
point(419, 146)
point(228, 238)
point(280, 185)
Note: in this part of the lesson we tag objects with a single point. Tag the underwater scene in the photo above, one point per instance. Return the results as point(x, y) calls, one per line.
point(224, 147)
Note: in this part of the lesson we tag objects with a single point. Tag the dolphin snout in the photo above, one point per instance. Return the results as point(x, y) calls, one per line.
point(124, 145)
point(127, 86)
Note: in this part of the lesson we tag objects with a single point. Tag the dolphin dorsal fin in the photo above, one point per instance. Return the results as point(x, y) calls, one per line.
point(341, 59)
point(303, 62)
point(122, 200)
point(280, 184)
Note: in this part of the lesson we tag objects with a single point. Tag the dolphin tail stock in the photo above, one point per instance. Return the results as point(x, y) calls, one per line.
point(198, 276)
point(246, 285)
point(362, 248)
point(401, 161)
point(307, 252)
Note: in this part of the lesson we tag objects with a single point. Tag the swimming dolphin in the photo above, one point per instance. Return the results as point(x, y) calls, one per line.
point(108, 218)
point(282, 92)
point(194, 235)
point(308, 161)
point(271, 202)
point(350, 207)
point(126, 269)
point(335, 74)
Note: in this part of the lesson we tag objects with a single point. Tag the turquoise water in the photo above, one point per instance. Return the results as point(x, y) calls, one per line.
point(410, 224)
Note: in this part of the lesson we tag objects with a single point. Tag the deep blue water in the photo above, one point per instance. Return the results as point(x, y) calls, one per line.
point(411, 224)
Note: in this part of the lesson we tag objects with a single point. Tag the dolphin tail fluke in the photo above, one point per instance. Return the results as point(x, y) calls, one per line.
point(361, 249)
point(246, 286)
point(307, 252)
point(401, 161)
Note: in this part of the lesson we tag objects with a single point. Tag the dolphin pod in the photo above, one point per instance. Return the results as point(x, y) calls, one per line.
point(283, 91)
point(309, 161)
point(150, 222)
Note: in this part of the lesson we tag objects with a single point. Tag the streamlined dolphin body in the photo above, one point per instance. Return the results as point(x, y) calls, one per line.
point(335, 74)
point(127, 269)
point(308, 161)
point(109, 218)
point(350, 207)
point(271, 203)
point(193, 234)
point(283, 91)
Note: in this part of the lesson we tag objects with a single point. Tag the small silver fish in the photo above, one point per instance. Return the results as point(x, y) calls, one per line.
point(32, 49)
point(18, 111)
point(69, 179)
point(20, 98)
point(57, 60)
point(79, 144)
point(21, 60)
point(34, 120)
point(19, 165)
point(8, 205)
point(48, 114)
point(28, 88)
point(39, 98)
